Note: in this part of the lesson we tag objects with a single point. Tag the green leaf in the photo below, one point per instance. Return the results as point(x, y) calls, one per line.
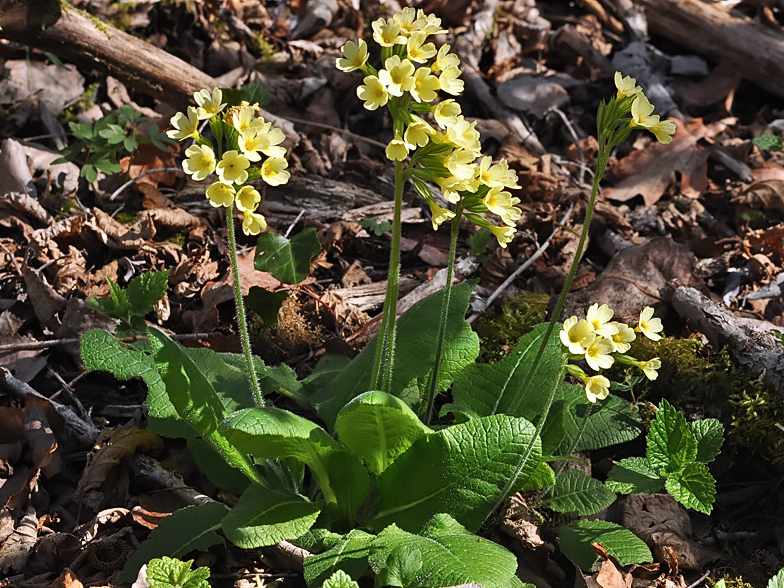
point(189, 528)
point(479, 240)
point(212, 465)
point(768, 142)
point(227, 373)
point(490, 388)
point(146, 290)
point(340, 579)
point(671, 443)
point(250, 93)
point(465, 470)
point(281, 377)
point(448, 553)
point(377, 428)
point(776, 581)
point(107, 166)
point(634, 475)
point(693, 486)
point(403, 562)
point(710, 436)
point(620, 543)
point(114, 134)
point(167, 572)
point(264, 517)
point(612, 421)
point(82, 131)
point(264, 303)
point(326, 370)
point(288, 261)
point(542, 477)
point(350, 556)
point(317, 540)
point(577, 494)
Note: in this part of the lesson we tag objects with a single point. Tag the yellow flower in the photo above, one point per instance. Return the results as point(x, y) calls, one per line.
point(397, 149)
point(599, 318)
point(461, 164)
point(597, 354)
point(373, 92)
point(187, 126)
point(406, 20)
point(248, 199)
point(253, 223)
point(430, 23)
point(415, 49)
point(450, 186)
point(576, 335)
point(387, 33)
point(425, 85)
point(512, 214)
point(355, 56)
point(649, 367)
point(504, 234)
point(622, 339)
point(596, 388)
point(497, 200)
point(439, 214)
point(446, 112)
point(449, 82)
point(200, 162)
point(251, 141)
point(649, 326)
point(417, 134)
point(626, 86)
point(243, 118)
point(273, 171)
point(260, 137)
point(642, 111)
point(445, 59)
point(209, 104)
point(464, 134)
point(220, 194)
point(233, 167)
point(663, 130)
point(398, 77)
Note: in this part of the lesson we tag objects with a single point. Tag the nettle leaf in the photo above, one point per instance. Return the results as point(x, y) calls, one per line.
point(167, 572)
point(671, 443)
point(491, 388)
point(288, 261)
point(146, 290)
point(576, 543)
point(710, 436)
point(693, 486)
point(448, 553)
point(266, 304)
point(612, 421)
point(264, 517)
point(579, 494)
point(465, 470)
point(350, 556)
point(377, 428)
point(416, 334)
point(190, 528)
point(634, 475)
point(340, 579)
point(777, 581)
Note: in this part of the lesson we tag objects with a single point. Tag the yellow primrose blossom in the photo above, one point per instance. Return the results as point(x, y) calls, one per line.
point(397, 149)
point(261, 137)
point(576, 335)
point(248, 199)
point(649, 326)
point(221, 194)
point(439, 214)
point(243, 117)
point(464, 134)
point(596, 388)
point(649, 367)
point(398, 75)
point(407, 20)
point(429, 23)
point(417, 134)
point(187, 126)
point(512, 214)
point(450, 188)
point(273, 171)
point(499, 201)
point(626, 86)
point(503, 234)
point(663, 130)
point(446, 112)
point(461, 164)
point(373, 92)
point(445, 59)
point(387, 33)
point(251, 141)
point(599, 318)
point(642, 111)
point(209, 104)
point(233, 167)
point(496, 175)
point(355, 56)
point(449, 81)
point(597, 354)
point(416, 48)
point(425, 85)
point(621, 340)
point(200, 162)
point(253, 223)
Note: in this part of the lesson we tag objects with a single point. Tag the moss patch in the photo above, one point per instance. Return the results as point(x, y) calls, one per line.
point(499, 330)
point(294, 334)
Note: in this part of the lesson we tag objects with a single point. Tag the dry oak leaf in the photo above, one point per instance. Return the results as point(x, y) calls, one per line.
point(647, 172)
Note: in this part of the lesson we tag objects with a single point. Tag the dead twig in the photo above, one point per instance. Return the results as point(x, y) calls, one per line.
point(30, 345)
point(132, 181)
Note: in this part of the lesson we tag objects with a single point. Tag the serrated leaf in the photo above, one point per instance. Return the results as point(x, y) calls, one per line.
point(281, 377)
point(264, 517)
point(145, 290)
point(620, 543)
point(542, 477)
point(634, 475)
point(266, 304)
point(167, 572)
point(768, 142)
point(491, 388)
point(377, 427)
point(777, 581)
point(183, 531)
point(288, 261)
point(693, 486)
point(710, 436)
point(450, 555)
point(350, 556)
point(578, 494)
point(465, 470)
point(340, 579)
point(671, 443)
point(105, 305)
point(403, 562)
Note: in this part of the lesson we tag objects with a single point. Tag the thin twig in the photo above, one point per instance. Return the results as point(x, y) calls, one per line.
point(569, 126)
point(122, 188)
point(26, 345)
point(294, 222)
point(69, 392)
point(542, 248)
point(338, 130)
point(13, 259)
point(699, 580)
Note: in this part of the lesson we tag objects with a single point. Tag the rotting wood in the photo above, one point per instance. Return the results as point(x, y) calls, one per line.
point(748, 340)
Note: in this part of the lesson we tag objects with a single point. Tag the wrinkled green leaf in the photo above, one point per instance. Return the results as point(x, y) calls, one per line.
point(634, 475)
point(340, 579)
point(403, 562)
point(768, 142)
point(671, 443)
point(710, 436)
point(145, 290)
point(350, 556)
point(167, 572)
point(578, 494)
point(542, 477)
point(776, 581)
point(620, 543)
point(693, 486)
point(288, 261)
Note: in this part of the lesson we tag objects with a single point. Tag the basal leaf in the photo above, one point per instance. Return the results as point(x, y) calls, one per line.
point(403, 562)
point(145, 290)
point(288, 261)
point(542, 477)
point(227, 373)
point(350, 483)
point(693, 486)
point(327, 369)
point(671, 443)
point(634, 475)
point(190, 528)
point(377, 428)
point(449, 556)
point(465, 470)
point(350, 556)
point(578, 494)
point(620, 543)
point(710, 436)
point(212, 465)
point(264, 517)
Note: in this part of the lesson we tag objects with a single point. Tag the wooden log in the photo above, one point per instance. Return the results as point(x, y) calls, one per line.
point(755, 50)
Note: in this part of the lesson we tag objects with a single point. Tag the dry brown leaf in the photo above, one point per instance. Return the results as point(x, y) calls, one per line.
point(647, 172)
point(609, 576)
point(41, 439)
point(16, 550)
point(150, 157)
point(67, 580)
point(769, 242)
point(719, 85)
point(767, 194)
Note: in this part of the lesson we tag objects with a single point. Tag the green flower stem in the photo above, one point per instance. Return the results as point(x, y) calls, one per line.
point(431, 399)
point(241, 322)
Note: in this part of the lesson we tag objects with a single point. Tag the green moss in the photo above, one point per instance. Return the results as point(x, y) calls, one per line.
point(499, 330)
point(123, 16)
point(127, 217)
point(86, 102)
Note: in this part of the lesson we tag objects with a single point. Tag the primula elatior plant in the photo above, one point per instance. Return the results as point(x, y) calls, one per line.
point(376, 486)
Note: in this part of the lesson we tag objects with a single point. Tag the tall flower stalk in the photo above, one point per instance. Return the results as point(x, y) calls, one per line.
point(239, 137)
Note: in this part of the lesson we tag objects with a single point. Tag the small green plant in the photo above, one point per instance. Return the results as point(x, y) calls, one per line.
point(768, 142)
point(376, 226)
point(168, 572)
point(99, 146)
point(478, 242)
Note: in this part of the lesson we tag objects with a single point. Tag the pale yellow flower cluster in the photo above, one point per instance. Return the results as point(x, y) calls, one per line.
point(250, 137)
point(600, 341)
point(642, 109)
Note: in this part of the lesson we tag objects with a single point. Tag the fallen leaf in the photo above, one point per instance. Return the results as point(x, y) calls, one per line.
point(609, 576)
point(18, 547)
point(41, 439)
point(766, 195)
